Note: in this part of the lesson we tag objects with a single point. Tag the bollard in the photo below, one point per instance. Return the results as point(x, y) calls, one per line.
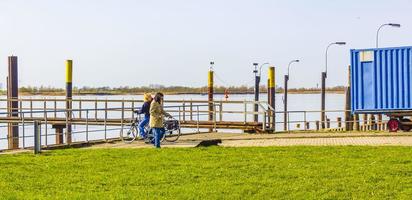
point(69, 85)
point(317, 125)
point(37, 138)
point(307, 125)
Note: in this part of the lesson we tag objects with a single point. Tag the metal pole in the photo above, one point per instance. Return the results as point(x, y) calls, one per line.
point(322, 113)
point(105, 120)
point(80, 108)
point(184, 111)
point(23, 130)
point(37, 140)
point(55, 108)
point(95, 110)
point(191, 111)
point(121, 132)
point(245, 111)
point(285, 103)
point(197, 109)
point(256, 91)
point(87, 125)
point(45, 120)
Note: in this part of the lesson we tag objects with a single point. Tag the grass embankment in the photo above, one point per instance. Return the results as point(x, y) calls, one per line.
point(211, 173)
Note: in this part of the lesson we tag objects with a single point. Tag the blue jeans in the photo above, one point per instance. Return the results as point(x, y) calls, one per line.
point(141, 126)
point(158, 134)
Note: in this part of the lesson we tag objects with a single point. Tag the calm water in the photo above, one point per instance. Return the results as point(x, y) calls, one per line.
point(297, 102)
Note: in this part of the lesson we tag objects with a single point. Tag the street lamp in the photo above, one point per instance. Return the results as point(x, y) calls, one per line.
point(290, 63)
point(285, 96)
point(326, 54)
point(260, 68)
point(323, 78)
point(380, 27)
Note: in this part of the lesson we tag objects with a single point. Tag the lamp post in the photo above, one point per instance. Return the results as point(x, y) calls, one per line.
point(323, 78)
point(285, 96)
point(380, 27)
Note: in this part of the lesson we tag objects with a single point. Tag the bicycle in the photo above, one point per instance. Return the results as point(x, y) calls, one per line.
point(172, 131)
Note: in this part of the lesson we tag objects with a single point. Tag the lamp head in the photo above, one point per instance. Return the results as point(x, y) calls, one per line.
point(394, 25)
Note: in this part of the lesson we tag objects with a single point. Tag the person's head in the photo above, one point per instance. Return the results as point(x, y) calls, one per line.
point(158, 97)
point(147, 97)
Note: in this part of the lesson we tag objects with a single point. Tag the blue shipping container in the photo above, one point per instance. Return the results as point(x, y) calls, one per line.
point(381, 80)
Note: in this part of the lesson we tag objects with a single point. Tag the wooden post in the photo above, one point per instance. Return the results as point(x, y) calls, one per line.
point(339, 122)
point(210, 95)
point(13, 105)
point(380, 125)
point(59, 132)
point(373, 122)
point(348, 115)
point(317, 125)
point(365, 122)
point(272, 89)
point(327, 123)
point(356, 122)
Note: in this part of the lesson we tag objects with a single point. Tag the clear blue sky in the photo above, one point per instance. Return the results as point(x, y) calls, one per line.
point(170, 42)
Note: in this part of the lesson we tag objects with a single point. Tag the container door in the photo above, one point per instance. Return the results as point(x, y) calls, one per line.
point(367, 85)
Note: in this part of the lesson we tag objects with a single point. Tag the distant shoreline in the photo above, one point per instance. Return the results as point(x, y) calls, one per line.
point(167, 93)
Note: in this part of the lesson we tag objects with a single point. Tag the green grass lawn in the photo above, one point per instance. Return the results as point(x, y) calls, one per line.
point(210, 173)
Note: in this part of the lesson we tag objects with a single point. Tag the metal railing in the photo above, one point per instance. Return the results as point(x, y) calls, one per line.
point(107, 119)
point(94, 115)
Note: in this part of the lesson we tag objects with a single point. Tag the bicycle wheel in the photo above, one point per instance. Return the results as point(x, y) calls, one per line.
point(171, 136)
point(131, 135)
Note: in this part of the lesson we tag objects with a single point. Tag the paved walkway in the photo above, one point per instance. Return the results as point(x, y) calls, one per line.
point(257, 140)
point(306, 139)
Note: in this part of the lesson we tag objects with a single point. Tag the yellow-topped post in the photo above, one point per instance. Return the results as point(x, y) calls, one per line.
point(210, 91)
point(69, 94)
point(271, 90)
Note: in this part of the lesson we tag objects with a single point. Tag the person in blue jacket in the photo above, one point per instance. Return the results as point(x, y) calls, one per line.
point(147, 97)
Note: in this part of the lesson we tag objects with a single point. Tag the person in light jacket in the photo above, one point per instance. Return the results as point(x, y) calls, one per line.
point(156, 118)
